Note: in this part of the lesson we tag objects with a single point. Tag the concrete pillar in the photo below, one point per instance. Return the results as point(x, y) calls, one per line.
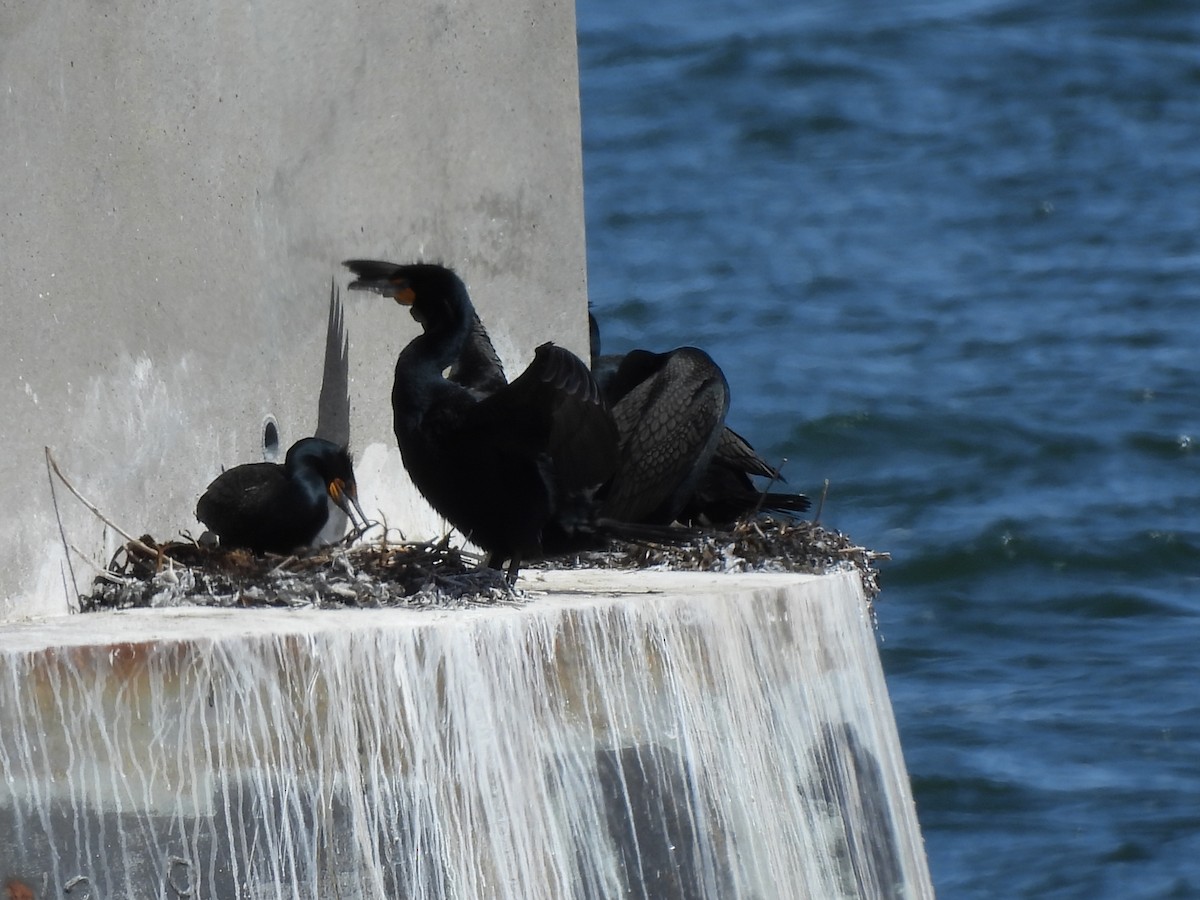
point(180, 183)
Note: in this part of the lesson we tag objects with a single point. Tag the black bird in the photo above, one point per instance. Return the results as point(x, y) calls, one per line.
point(725, 492)
point(678, 459)
point(478, 367)
point(514, 467)
point(272, 508)
point(670, 413)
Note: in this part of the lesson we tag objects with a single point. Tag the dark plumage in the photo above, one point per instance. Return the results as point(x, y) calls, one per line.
point(678, 459)
point(478, 367)
point(670, 412)
point(512, 466)
point(725, 492)
point(272, 508)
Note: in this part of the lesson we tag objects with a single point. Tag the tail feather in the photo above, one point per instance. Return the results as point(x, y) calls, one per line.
point(793, 503)
point(635, 531)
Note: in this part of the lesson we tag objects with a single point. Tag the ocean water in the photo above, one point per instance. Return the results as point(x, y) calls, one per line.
point(948, 254)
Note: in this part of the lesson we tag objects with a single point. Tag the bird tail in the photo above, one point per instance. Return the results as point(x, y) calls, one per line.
point(785, 503)
point(637, 531)
point(565, 536)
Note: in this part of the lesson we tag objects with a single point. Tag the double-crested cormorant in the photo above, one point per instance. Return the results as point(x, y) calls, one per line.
point(725, 492)
point(678, 459)
point(478, 367)
point(272, 508)
point(670, 412)
point(514, 467)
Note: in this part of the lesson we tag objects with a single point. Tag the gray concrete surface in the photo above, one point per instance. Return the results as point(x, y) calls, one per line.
point(179, 185)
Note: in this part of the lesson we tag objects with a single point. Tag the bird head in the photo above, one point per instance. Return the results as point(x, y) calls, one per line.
point(435, 295)
point(344, 492)
point(335, 468)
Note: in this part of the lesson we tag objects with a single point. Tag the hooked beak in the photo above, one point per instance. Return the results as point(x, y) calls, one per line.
point(346, 497)
point(394, 286)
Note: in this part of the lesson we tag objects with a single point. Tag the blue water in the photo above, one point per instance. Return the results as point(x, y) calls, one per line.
point(948, 254)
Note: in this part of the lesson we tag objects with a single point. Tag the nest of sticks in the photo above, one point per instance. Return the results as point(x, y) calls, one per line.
point(369, 574)
point(382, 573)
point(757, 544)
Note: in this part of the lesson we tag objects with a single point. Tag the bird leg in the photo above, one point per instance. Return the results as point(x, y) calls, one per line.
point(514, 566)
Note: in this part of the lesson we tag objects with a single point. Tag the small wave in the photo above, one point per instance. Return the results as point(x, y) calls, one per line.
point(1007, 551)
point(1164, 446)
point(970, 792)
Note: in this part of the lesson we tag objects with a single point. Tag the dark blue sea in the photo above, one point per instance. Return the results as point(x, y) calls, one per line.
point(948, 254)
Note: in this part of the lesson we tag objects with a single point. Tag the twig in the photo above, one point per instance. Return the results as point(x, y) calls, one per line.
point(72, 603)
point(353, 535)
point(101, 572)
point(783, 460)
point(383, 538)
point(72, 607)
point(91, 506)
point(821, 503)
point(284, 563)
point(762, 497)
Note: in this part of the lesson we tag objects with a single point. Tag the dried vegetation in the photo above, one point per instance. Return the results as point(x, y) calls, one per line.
point(384, 573)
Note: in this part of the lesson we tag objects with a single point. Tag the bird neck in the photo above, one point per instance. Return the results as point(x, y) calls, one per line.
point(429, 354)
point(419, 382)
point(478, 367)
point(309, 483)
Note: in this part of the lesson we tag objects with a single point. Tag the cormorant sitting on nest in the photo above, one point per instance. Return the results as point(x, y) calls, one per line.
point(514, 469)
point(272, 508)
point(678, 459)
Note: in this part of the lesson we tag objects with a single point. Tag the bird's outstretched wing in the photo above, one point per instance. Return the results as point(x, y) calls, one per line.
point(670, 417)
point(553, 411)
point(735, 452)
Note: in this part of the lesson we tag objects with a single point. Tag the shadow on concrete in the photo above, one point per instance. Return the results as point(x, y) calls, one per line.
point(853, 792)
point(651, 809)
point(261, 832)
point(333, 405)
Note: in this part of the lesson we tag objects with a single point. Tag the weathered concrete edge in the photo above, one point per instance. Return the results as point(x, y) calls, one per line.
point(548, 592)
point(116, 639)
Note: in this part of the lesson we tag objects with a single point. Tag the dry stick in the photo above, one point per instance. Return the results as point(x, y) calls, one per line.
point(287, 560)
point(770, 484)
point(62, 532)
point(821, 502)
point(91, 506)
point(100, 573)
